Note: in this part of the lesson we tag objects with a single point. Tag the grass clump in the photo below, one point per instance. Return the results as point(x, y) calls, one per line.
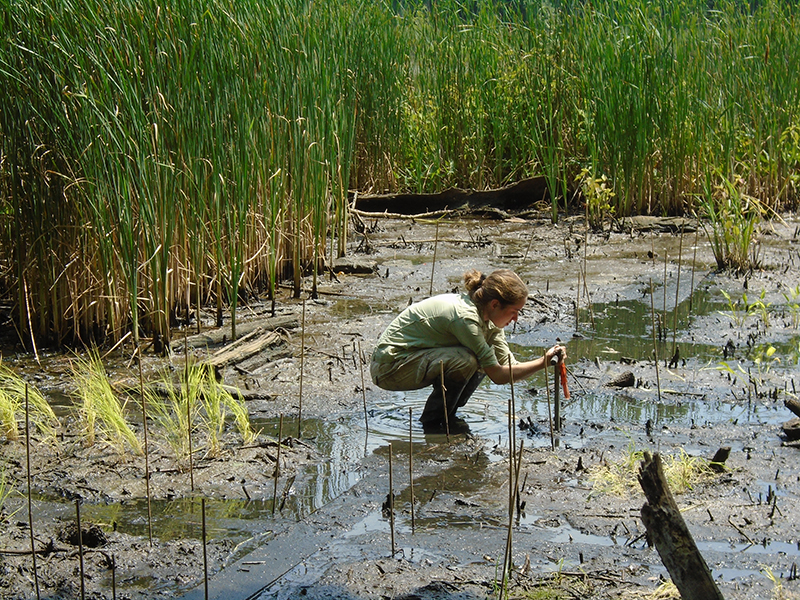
point(198, 405)
point(99, 407)
point(682, 471)
point(13, 390)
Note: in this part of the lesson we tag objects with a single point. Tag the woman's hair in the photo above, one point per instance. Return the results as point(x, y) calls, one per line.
point(503, 285)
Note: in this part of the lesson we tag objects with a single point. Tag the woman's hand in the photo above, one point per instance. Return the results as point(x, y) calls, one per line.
point(558, 351)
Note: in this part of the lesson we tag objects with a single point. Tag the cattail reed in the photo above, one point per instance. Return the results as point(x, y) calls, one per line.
point(237, 198)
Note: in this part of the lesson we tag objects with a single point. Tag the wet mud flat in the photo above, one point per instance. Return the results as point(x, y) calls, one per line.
point(337, 544)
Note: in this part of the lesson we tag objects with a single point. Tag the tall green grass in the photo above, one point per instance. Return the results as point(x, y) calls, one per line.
point(159, 156)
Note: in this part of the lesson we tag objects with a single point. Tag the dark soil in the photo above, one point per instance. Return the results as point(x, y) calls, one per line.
point(570, 537)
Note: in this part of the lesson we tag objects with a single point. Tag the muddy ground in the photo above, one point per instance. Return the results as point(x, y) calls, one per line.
point(570, 536)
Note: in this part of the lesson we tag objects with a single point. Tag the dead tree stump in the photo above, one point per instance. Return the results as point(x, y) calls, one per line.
point(667, 530)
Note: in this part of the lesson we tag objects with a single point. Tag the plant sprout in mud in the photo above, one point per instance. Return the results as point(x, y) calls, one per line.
point(13, 392)
point(620, 478)
point(793, 305)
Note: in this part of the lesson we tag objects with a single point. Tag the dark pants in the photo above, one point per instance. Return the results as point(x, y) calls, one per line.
point(456, 395)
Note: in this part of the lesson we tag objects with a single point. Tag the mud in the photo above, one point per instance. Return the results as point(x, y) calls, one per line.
point(722, 389)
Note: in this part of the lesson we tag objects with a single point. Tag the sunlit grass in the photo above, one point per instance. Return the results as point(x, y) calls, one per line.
point(13, 390)
point(100, 411)
point(200, 404)
point(620, 477)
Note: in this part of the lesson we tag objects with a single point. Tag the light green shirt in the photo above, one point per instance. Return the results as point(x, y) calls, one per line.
point(441, 321)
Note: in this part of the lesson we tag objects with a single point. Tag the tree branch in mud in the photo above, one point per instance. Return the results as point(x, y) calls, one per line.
point(667, 530)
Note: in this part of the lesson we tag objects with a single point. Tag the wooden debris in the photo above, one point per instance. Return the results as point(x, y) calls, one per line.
point(626, 379)
point(245, 347)
point(217, 337)
point(667, 530)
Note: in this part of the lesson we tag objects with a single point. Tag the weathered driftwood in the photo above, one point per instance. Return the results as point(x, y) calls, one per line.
point(793, 405)
point(667, 530)
point(791, 429)
point(626, 379)
point(216, 337)
point(245, 347)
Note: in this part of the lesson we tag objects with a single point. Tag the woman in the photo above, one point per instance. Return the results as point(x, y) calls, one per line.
point(460, 334)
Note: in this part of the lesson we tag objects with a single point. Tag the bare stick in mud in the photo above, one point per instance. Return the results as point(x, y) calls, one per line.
point(277, 465)
point(655, 343)
point(391, 501)
point(694, 266)
point(30, 506)
point(668, 532)
point(113, 577)
point(665, 294)
point(677, 290)
point(189, 419)
point(549, 415)
point(302, 368)
point(512, 463)
point(205, 550)
point(146, 451)
point(80, 546)
point(444, 403)
point(433, 263)
point(578, 301)
point(411, 467)
point(363, 388)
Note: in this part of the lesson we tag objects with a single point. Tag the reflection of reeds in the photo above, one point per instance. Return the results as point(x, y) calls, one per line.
point(202, 149)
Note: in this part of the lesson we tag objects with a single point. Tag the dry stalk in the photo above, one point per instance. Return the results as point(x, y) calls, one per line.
point(411, 467)
point(391, 501)
point(277, 465)
point(146, 451)
point(30, 507)
point(433, 264)
point(655, 345)
point(444, 403)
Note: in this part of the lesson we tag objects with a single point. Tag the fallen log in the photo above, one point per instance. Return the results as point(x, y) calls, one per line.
point(793, 405)
point(244, 348)
point(222, 335)
point(667, 531)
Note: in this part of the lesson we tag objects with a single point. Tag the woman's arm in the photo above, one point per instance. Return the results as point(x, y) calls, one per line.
point(500, 374)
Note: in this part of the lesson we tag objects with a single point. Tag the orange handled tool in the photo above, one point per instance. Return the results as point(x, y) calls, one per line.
point(564, 380)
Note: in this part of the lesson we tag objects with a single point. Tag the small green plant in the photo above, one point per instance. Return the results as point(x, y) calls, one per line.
point(175, 409)
point(99, 407)
point(793, 305)
point(760, 308)
point(13, 390)
point(599, 195)
point(764, 359)
point(732, 217)
point(735, 312)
